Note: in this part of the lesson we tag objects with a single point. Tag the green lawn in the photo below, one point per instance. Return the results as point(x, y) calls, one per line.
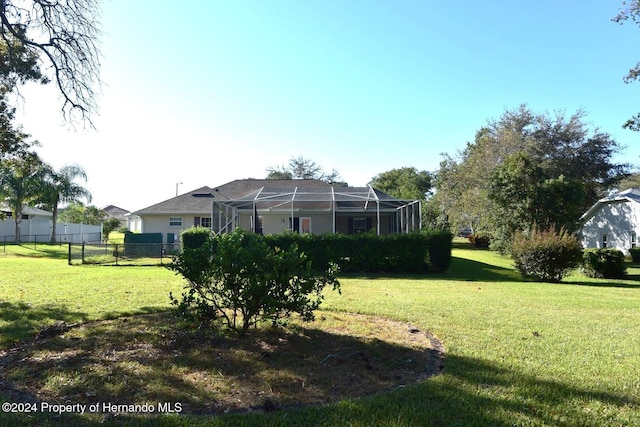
point(518, 353)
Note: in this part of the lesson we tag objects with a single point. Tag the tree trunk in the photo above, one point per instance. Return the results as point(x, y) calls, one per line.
point(53, 225)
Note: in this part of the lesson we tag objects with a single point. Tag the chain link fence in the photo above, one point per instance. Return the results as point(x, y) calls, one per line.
point(122, 254)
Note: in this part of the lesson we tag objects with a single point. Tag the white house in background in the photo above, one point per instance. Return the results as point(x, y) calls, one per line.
point(275, 206)
point(36, 226)
point(612, 222)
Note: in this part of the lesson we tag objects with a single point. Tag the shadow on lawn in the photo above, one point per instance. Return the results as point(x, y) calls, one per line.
point(460, 269)
point(24, 320)
point(474, 392)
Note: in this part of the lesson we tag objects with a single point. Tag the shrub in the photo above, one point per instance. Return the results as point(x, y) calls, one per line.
point(603, 263)
point(545, 255)
point(195, 237)
point(238, 279)
point(479, 240)
point(635, 254)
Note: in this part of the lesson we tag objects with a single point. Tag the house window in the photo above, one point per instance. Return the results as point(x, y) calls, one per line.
point(205, 222)
point(175, 222)
point(305, 225)
point(359, 225)
point(604, 240)
point(634, 238)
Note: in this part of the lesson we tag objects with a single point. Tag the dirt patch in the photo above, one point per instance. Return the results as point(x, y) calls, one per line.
point(145, 360)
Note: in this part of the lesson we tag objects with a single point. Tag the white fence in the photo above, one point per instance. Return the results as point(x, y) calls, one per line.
point(39, 230)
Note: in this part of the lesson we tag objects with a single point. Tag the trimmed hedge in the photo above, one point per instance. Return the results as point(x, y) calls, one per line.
point(603, 263)
point(370, 253)
point(635, 254)
point(195, 237)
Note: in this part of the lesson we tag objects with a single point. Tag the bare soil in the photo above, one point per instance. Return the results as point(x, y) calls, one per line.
point(146, 359)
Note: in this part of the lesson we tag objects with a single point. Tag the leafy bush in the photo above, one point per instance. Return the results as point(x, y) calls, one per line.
point(545, 255)
point(479, 240)
point(635, 254)
point(238, 279)
point(603, 263)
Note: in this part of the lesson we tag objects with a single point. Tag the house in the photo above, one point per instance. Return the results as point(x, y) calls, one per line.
point(612, 222)
point(271, 206)
point(36, 226)
point(118, 213)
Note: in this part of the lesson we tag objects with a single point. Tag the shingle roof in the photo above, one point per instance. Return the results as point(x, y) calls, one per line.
point(199, 201)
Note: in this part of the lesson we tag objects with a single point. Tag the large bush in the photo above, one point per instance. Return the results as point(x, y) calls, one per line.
point(238, 279)
point(545, 255)
point(635, 254)
point(603, 263)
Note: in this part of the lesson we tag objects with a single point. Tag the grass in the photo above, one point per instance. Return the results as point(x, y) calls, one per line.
point(518, 353)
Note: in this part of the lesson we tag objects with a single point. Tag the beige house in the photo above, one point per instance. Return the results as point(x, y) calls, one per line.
point(275, 206)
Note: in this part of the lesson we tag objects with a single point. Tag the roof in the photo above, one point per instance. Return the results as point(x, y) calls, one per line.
point(26, 210)
point(275, 194)
point(632, 195)
point(199, 200)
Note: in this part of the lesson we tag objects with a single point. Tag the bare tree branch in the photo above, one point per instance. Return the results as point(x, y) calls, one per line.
point(65, 34)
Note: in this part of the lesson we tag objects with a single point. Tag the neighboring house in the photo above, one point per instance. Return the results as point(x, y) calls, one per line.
point(612, 222)
point(274, 206)
point(118, 213)
point(36, 226)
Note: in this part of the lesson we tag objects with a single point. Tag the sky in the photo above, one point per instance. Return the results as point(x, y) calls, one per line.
point(204, 92)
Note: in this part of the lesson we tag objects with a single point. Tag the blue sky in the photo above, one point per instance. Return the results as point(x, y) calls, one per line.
point(205, 92)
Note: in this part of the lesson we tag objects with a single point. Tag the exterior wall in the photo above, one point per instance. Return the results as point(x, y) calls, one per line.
point(160, 224)
point(618, 220)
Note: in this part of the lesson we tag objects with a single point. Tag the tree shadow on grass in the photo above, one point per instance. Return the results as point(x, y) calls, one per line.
point(19, 321)
point(144, 359)
point(460, 269)
point(474, 392)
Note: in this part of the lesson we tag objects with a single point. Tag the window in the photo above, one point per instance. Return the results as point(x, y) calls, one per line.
point(604, 240)
point(305, 225)
point(634, 239)
point(205, 222)
point(359, 225)
point(175, 222)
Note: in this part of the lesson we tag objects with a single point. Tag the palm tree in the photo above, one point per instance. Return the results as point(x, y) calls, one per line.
point(60, 187)
point(21, 184)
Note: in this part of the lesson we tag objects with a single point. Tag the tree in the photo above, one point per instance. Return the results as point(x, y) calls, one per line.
point(631, 181)
point(301, 168)
point(60, 187)
point(64, 34)
point(21, 184)
point(404, 183)
point(108, 225)
point(521, 166)
point(631, 12)
point(78, 213)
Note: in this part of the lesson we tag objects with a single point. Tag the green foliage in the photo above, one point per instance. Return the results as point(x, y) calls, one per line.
point(635, 254)
point(109, 225)
point(195, 237)
point(404, 183)
point(527, 168)
point(78, 213)
point(603, 263)
point(237, 278)
point(370, 253)
point(545, 255)
point(301, 168)
point(480, 240)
